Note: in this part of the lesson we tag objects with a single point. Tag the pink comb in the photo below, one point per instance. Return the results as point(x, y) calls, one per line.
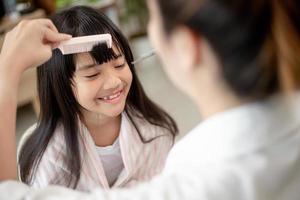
point(84, 43)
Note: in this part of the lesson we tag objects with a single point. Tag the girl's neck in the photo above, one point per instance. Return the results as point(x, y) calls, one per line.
point(103, 129)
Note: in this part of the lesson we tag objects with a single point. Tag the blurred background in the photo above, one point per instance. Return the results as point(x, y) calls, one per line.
point(131, 17)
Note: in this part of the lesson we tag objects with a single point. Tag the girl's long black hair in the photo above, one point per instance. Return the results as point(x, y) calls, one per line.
point(59, 105)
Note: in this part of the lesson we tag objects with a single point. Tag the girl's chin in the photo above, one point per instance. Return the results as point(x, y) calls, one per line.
point(111, 112)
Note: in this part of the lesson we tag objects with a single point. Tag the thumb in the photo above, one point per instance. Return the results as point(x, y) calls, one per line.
point(54, 37)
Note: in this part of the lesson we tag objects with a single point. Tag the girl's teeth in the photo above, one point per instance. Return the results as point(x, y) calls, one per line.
point(112, 96)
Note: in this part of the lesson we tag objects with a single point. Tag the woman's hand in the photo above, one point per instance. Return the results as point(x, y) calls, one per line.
point(30, 44)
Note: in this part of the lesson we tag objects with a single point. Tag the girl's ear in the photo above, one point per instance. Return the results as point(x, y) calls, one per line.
point(187, 45)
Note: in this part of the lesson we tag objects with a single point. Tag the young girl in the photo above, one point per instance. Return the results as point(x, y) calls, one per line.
point(96, 126)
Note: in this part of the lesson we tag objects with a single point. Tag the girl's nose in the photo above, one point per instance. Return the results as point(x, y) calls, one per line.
point(111, 82)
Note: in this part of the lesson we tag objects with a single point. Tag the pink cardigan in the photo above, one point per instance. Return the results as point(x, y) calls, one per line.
point(141, 161)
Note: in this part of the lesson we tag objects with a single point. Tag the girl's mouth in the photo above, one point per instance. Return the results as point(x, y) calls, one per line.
point(113, 98)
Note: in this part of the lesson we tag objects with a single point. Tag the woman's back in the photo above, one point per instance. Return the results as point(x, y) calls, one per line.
point(249, 152)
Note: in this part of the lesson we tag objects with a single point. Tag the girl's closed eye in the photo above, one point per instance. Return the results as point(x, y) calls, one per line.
point(93, 75)
point(120, 62)
point(120, 65)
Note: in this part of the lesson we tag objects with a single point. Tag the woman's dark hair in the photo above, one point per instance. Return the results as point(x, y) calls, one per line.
point(59, 105)
point(256, 41)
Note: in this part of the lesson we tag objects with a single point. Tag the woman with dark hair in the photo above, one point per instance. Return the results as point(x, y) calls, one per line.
point(96, 127)
point(239, 61)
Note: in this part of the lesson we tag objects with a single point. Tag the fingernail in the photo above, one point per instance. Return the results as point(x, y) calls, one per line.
point(67, 36)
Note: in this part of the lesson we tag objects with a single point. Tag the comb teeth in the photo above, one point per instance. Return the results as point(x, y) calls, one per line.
point(84, 43)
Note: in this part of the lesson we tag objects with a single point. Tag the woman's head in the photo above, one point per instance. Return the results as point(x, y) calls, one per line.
point(101, 82)
point(253, 43)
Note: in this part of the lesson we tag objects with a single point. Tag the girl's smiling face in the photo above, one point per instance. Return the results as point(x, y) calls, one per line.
point(102, 89)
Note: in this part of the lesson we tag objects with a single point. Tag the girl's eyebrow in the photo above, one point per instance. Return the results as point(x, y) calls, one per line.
point(118, 56)
point(86, 66)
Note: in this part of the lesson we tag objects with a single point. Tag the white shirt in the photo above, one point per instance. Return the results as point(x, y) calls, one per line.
point(112, 161)
point(248, 153)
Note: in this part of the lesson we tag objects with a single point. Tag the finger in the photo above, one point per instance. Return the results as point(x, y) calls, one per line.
point(54, 37)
